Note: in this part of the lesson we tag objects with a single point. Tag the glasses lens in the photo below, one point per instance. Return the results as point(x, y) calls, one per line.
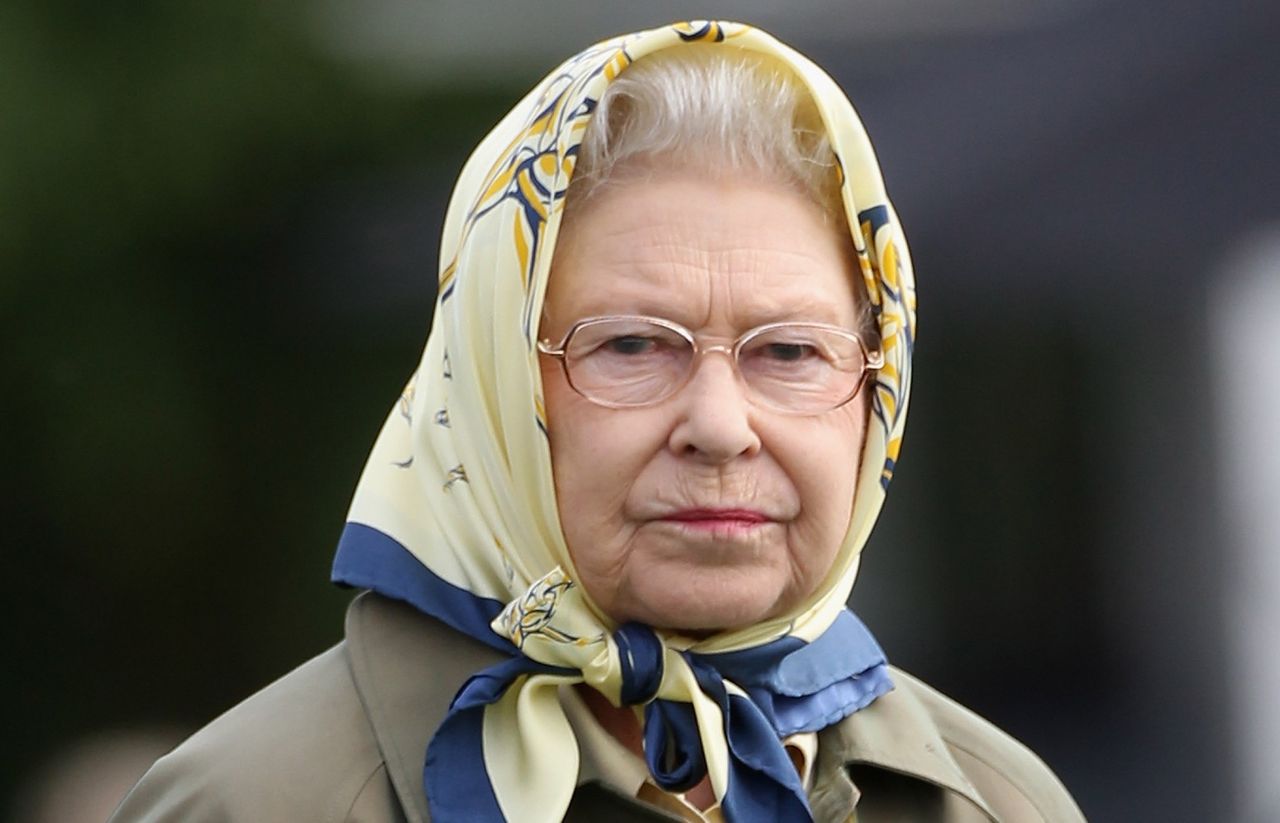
point(627, 362)
point(802, 368)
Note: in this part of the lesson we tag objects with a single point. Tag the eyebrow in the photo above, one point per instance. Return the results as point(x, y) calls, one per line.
point(800, 308)
point(792, 308)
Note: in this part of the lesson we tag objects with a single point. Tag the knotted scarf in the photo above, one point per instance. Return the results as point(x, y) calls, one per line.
point(456, 514)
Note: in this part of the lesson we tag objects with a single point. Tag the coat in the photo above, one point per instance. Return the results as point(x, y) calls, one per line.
point(342, 739)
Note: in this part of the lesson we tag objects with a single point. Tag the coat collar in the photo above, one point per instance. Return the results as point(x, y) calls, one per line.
point(408, 666)
point(896, 733)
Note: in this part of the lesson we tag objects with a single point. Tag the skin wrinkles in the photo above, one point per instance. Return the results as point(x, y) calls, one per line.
point(718, 258)
point(669, 263)
point(722, 289)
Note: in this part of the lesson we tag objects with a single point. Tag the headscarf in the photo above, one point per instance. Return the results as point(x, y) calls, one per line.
point(456, 511)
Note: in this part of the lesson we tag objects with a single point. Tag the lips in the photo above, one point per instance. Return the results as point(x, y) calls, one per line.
point(726, 516)
point(718, 523)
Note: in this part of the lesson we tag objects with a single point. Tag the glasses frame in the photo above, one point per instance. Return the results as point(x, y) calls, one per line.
point(873, 358)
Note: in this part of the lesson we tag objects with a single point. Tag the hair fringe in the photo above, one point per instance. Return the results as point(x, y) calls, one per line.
point(714, 107)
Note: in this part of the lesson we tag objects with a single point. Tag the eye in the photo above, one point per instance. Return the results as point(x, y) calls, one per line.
point(787, 352)
point(629, 344)
point(625, 340)
point(792, 352)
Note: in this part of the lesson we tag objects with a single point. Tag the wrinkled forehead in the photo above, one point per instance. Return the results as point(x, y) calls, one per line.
point(717, 255)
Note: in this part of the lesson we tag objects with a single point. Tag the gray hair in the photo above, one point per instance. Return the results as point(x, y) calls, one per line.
point(715, 107)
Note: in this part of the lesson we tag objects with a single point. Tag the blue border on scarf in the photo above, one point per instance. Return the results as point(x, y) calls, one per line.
point(370, 559)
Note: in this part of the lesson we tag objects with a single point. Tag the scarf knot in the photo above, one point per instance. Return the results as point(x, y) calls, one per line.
point(640, 658)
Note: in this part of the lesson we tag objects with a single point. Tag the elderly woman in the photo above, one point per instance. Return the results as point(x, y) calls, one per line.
point(610, 528)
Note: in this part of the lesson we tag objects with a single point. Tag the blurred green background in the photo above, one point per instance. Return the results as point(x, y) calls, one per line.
point(187, 402)
point(217, 254)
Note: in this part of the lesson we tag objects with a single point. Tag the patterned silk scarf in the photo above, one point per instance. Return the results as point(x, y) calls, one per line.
point(456, 514)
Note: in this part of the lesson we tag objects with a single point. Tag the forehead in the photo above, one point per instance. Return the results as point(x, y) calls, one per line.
point(726, 252)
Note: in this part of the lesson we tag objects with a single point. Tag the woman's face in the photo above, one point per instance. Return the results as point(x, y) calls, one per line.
point(704, 512)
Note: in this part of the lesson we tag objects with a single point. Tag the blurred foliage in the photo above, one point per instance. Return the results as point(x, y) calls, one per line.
point(182, 427)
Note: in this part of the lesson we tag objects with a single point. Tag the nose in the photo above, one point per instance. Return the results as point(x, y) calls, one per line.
point(715, 423)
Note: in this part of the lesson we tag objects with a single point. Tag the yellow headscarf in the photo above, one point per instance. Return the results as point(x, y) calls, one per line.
point(456, 511)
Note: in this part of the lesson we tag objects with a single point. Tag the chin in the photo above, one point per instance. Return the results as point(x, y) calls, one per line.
point(700, 614)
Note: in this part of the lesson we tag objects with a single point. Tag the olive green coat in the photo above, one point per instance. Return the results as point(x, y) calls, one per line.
point(342, 739)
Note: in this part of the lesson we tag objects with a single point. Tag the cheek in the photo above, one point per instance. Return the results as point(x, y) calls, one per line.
point(596, 454)
point(825, 470)
point(572, 447)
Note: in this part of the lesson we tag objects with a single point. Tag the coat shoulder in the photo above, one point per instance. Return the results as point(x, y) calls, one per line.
point(1015, 783)
point(300, 749)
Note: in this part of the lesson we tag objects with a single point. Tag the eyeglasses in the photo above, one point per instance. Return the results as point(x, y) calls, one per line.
point(626, 362)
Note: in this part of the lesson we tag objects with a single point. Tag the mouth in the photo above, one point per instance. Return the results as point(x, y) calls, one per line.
point(725, 521)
